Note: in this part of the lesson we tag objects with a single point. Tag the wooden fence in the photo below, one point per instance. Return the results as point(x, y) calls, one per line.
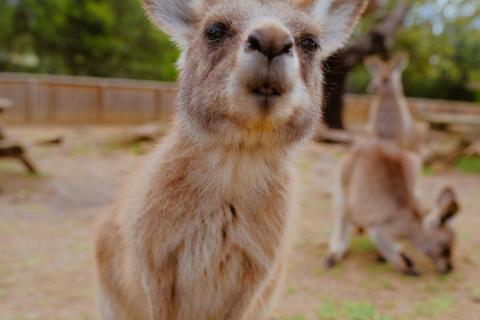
point(45, 99)
point(357, 108)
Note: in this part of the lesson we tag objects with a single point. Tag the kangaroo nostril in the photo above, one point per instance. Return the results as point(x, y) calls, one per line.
point(287, 47)
point(254, 41)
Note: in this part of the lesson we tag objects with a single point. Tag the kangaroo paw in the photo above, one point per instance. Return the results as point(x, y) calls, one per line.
point(409, 268)
point(331, 261)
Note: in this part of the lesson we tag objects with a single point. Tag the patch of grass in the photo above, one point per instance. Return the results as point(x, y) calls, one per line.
point(9, 166)
point(138, 149)
point(292, 290)
point(338, 271)
point(427, 171)
point(349, 311)
point(297, 317)
point(468, 164)
point(328, 311)
point(363, 245)
point(388, 285)
point(363, 311)
point(475, 294)
point(375, 268)
point(3, 294)
point(81, 150)
point(430, 288)
point(433, 306)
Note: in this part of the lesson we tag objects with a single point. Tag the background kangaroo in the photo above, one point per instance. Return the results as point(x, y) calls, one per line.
point(377, 191)
point(201, 230)
point(390, 118)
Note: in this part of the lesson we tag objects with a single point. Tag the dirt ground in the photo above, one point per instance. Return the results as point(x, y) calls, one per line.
point(47, 229)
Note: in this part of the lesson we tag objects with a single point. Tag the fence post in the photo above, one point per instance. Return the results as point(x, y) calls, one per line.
point(158, 114)
point(103, 97)
point(32, 97)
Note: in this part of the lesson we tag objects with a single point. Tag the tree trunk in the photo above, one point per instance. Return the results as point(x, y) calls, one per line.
point(378, 41)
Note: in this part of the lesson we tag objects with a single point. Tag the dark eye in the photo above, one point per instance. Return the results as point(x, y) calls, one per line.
point(216, 32)
point(309, 45)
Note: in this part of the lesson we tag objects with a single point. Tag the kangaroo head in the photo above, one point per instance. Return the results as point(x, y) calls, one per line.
point(251, 69)
point(439, 237)
point(386, 75)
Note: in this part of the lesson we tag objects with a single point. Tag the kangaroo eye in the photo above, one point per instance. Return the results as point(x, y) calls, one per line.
point(216, 32)
point(309, 45)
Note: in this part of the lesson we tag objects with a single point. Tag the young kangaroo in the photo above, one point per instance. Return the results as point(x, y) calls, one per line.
point(200, 234)
point(377, 191)
point(390, 118)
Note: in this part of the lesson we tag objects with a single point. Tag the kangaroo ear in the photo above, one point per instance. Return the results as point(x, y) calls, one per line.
point(175, 17)
point(399, 61)
point(448, 204)
point(446, 208)
point(336, 19)
point(373, 64)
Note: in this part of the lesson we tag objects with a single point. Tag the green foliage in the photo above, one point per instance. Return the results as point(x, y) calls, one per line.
point(443, 41)
point(469, 164)
point(104, 38)
point(112, 38)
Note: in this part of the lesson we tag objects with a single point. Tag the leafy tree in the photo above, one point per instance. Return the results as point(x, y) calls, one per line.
point(443, 40)
point(84, 37)
point(112, 38)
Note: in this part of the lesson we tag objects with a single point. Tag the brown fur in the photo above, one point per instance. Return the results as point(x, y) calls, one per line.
point(201, 231)
point(377, 191)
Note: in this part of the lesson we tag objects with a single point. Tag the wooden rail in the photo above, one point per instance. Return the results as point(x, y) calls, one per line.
point(358, 106)
point(45, 99)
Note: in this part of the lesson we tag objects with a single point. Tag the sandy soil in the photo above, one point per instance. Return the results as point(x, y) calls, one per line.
point(47, 227)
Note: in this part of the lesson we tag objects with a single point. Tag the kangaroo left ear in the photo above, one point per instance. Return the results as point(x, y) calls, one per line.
point(336, 19)
point(399, 61)
point(446, 208)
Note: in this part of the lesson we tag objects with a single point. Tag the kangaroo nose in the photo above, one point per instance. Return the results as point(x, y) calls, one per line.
point(271, 41)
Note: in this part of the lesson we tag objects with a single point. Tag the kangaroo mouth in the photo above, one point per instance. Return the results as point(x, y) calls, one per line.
point(267, 89)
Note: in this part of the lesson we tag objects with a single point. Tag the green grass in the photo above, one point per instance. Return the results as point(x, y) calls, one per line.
point(297, 317)
point(468, 164)
point(475, 294)
point(328, 311)
point(349, 311)
point(427, 171)
point(363, 311)
point(292, 290)
point(433, 307)
point(363, 245)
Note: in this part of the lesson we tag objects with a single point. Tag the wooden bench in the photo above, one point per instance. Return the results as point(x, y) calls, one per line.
point(11, 149)
point(4, 105)
point(443, 121)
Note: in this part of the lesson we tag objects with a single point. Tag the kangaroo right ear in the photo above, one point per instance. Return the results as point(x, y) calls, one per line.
point(373, 64)
point(175, 17)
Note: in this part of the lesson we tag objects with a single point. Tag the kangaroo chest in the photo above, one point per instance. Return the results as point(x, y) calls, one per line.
point(231, 243)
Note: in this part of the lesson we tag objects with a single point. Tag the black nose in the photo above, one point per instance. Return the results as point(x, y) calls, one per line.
point(270, 43)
